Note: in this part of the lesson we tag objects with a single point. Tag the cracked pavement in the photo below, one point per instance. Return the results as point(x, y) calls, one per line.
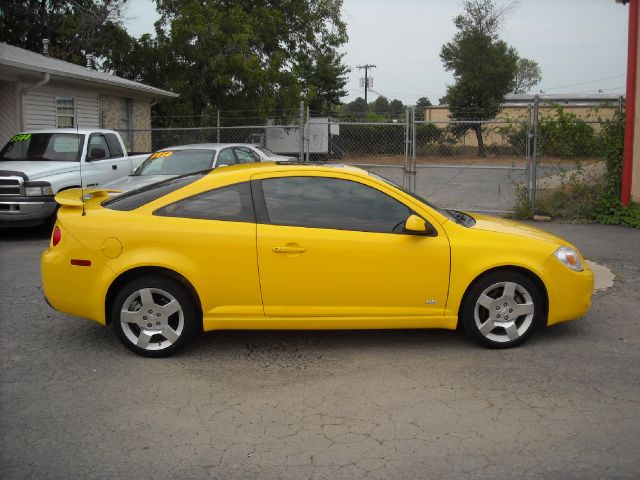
point(74, 403)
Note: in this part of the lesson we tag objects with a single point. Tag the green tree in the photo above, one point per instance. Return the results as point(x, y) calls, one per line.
point(397, 108)
point(323, 78)
point(354, 110)
point(483, 66)
point(381, 106)
point(423, 102)
point(73, 27)
point(247, 55)
point(527, 76)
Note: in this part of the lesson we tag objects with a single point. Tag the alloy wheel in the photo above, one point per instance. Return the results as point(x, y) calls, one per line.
point(504, 312)
point(152, 319)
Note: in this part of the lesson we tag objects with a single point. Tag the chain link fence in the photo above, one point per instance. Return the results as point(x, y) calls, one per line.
point(520, 157)
point(468, 165)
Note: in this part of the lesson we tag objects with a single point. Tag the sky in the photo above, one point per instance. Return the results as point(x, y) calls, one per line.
point(580, 45)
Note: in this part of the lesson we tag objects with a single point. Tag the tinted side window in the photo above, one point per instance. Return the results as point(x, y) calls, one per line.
point(246, 155)
point(98, 148)
point(137, 198)
point(232, 203)
point(114, 145)
point(225, 158)
point(332, 203)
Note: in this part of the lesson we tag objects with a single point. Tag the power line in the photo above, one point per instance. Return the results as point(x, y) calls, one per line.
point(585, 83)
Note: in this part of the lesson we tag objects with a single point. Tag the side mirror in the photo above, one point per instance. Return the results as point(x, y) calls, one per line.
point(417, 226)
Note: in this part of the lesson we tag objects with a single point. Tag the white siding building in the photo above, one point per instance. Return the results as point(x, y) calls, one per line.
point(37, 91)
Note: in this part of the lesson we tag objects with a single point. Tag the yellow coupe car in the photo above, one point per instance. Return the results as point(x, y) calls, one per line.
point(295, 246)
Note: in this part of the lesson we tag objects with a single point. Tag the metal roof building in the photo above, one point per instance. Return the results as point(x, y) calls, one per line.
point(38, 91)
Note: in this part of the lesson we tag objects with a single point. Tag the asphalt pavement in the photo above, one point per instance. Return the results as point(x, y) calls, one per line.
point(74, 403)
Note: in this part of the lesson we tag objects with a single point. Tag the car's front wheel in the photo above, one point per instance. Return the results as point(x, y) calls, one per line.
point(502, 309)
point(154, 316)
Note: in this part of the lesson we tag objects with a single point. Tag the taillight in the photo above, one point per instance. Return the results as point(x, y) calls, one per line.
point(57, 235)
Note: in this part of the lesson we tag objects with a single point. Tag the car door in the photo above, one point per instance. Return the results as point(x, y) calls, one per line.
point(330, 247)
point(100, 167)
point(217, 237)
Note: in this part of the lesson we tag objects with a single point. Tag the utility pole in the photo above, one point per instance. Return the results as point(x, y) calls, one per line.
point(366, 79)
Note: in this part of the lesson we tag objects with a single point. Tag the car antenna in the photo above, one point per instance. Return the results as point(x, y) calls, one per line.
point(81, 179)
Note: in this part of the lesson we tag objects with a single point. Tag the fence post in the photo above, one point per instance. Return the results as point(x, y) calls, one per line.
point(308, 135)
point(218, 129)
point(533, 191)
point(413, 149)
point(620, 103)
point(301, 158)
point(407, 165)
point(528, 157)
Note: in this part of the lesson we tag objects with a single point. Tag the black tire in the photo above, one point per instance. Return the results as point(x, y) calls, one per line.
point(486, 320)
point(158, 330)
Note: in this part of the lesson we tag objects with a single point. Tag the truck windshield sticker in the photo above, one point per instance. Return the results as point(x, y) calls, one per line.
point(161, 154)
point(20, 137)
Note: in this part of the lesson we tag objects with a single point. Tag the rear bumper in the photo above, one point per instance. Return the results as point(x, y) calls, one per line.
point(25, 211)
point(72, 289)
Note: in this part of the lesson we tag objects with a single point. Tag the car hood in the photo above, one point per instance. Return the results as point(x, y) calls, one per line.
point(135, 181)
point(38, 169)
point(511, 227)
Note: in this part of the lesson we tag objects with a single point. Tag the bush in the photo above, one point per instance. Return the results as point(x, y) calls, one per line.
point(566, 135)
point(516, 137)
point(428, 136)
point(371, 139)
point(581, 198)
point(560, 135)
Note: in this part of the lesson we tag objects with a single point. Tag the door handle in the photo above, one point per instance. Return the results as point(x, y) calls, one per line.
point(114, 167)
point(289, 250)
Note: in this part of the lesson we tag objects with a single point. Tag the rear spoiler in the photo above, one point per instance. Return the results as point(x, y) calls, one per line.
point(75, 197)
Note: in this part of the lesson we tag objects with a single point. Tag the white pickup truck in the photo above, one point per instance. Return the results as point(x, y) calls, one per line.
point(37, 164)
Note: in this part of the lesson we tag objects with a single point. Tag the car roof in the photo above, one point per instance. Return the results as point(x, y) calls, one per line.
point(264, 167)
point(83, 131)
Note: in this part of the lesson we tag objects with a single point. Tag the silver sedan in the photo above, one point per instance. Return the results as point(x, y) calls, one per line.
point(184, 159)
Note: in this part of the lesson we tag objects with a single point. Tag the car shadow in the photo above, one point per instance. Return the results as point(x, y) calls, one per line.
point(289, 345)
point(19, 234)
point(300, 348)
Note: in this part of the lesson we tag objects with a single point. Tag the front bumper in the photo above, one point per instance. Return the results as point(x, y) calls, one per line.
point(26, 211)
point(569, 294)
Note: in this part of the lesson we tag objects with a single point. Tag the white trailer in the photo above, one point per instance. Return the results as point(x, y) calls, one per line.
point(286, 139)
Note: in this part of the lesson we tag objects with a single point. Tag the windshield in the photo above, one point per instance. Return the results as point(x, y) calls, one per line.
point(55, 147)
point(442, 211)
point(176, 162)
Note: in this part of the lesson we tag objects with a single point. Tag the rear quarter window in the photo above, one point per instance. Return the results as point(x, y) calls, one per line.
point(232, 203)
point(137, 198)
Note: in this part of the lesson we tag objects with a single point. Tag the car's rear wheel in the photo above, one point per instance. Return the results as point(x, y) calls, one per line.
point(502, 309)
point(154, 316)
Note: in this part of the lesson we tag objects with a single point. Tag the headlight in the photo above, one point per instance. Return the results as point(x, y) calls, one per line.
point(570, 258)
point(37, 189)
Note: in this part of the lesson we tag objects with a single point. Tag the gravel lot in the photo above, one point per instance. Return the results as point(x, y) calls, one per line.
point(315, 405)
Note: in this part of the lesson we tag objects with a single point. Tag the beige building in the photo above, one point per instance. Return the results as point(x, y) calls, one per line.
point(516, 109)
point(40, 92)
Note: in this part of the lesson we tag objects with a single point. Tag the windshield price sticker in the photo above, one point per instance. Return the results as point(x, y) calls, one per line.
point(21, 137)
point(161, 154)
